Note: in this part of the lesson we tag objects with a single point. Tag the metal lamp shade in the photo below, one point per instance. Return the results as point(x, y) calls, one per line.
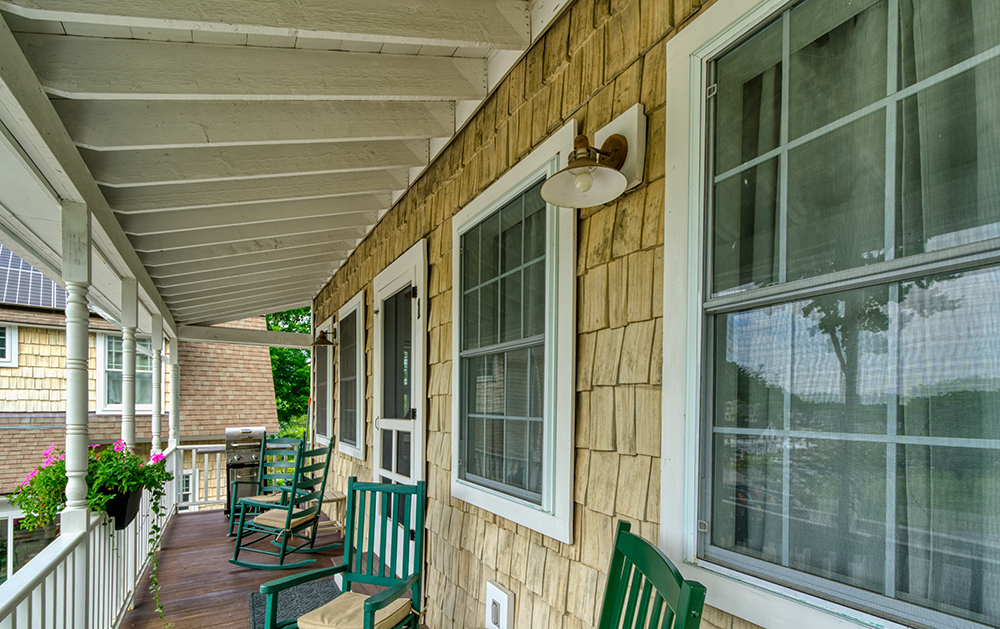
point(561, 189)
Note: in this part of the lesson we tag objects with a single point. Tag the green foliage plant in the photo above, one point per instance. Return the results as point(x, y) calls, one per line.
point(113, 470)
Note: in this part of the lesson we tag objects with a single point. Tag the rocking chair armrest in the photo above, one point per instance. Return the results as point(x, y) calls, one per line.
point(277, 585)
point(386, 596)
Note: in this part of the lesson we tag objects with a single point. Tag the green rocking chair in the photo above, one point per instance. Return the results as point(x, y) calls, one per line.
point(377, 550)
point(278, 456)
point(293, 520)
point(646, 590)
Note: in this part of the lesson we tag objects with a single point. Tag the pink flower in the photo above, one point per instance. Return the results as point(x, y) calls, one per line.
point(156, 458)
point(119, 445)
point(28, 477)
point(94, 445)
point(62, 457)
point(48, 452)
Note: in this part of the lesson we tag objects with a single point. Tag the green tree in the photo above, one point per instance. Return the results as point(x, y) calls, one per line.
point(290, 368)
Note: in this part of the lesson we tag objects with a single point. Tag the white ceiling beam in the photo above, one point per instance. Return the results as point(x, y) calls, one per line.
point(204, 164)
point(41, 134)
point(306, 266)
point(251, 262)
point(210, 317)
point(239, 299)
point(193, 254)
point(249, 213)
point(119, 125)
point(215, 193)
point(227, 287)
point(127, 69)
point(335, 227)
point(470, 23)
point(241, 336)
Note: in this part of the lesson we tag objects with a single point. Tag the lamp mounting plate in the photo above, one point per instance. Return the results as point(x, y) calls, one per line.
point(614, 151)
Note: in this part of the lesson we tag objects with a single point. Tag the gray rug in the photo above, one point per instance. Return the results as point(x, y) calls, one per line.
point(293, 602)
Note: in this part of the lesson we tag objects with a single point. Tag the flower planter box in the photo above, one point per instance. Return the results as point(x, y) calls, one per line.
point(124, 507)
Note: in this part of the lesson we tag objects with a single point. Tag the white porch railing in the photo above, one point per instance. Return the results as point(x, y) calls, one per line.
point(42, 594)
point(207, 484)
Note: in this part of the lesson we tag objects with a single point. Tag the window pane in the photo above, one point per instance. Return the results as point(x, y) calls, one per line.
point(947, 524)
point(536, 382)
point(3, 343)
point(397, 335)
point(489, 248)
point(516, 377)
point(470, 320)
point(348, 352)
point(113, 390)
point(489, 313)
point(387, 449)
point(534, 231)
point(470, 258)
point(948, 159)
point(516, 453)
point(512, 301)
point(838, 61)
point(349, 346)
point(512, 235)
point(836, 187)
point(746, 247)
point(937, 34)
point(950, 356)
point(748, 107)
point(837, 511)
point(143, 388)
point(114, 352)
point(143, 362)
point(322, 384)
point(403, 453)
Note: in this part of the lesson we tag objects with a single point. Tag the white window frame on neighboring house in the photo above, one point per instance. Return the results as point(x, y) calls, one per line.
point(553, 517)
point(356, 307)
point(720, 28)
point(327, 418)
point(103, 407)
point(9, 345)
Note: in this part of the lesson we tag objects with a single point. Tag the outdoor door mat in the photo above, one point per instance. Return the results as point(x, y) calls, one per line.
point(293, 602)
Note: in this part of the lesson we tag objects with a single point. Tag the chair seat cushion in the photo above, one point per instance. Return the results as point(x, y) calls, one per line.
point(275, 518)
point(275, 497)
point(347, 611)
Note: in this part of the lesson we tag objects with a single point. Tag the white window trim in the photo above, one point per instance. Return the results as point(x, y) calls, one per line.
point(409, 268)
point(11, 360)
point(356, 305)
point(326, 326)
point(103, 408)
point(748, 597)
point(554, 517)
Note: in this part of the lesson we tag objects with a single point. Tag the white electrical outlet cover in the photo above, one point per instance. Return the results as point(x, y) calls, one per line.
point(497, 596)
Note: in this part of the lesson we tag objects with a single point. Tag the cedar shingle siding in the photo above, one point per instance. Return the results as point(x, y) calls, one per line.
point(593, 63)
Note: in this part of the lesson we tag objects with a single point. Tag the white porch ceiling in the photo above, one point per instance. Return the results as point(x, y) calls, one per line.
point(243, 147)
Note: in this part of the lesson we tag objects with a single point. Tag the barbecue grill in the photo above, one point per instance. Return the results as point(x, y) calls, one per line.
point(242, 461)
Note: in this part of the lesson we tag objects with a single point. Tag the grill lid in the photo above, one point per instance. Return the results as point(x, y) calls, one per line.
point(243, 444)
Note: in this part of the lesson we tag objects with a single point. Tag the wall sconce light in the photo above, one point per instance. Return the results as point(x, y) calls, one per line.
point(592, 177)
point(322, 340)
point(597, 176)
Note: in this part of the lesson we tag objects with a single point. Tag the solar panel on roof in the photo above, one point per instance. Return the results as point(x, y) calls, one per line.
point(23, 285)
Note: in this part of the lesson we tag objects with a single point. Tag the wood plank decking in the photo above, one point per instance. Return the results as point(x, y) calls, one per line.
point(199, 588)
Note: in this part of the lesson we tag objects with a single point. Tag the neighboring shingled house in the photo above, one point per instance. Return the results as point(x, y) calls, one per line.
point(221, 385)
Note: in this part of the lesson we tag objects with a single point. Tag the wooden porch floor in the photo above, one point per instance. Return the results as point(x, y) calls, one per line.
point(199, 588)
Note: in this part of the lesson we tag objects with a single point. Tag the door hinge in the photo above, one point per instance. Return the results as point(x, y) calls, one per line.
point(712, 90)
point(413, 535)
point(413, 413)
point(412, 293)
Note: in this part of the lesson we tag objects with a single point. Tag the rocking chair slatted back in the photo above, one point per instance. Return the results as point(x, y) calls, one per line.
point(384, 532)
point(645, 590)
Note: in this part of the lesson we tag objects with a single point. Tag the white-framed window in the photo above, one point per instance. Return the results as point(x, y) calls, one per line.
point(322, 360)
point(8, 345)
point(109, 373)
point(351, 377)
point(514, 328)
point(846, 256)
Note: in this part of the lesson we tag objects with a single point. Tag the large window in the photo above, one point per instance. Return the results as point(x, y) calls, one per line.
point(513, 343)
point(851, 320)
point(8, 346)
point(351, 377)
point(322, 409)
point(110, 367)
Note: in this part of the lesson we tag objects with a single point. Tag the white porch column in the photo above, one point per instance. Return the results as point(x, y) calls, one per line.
point(175, 396)
point(130, 297)
point(76, 273)
point(157, 383)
